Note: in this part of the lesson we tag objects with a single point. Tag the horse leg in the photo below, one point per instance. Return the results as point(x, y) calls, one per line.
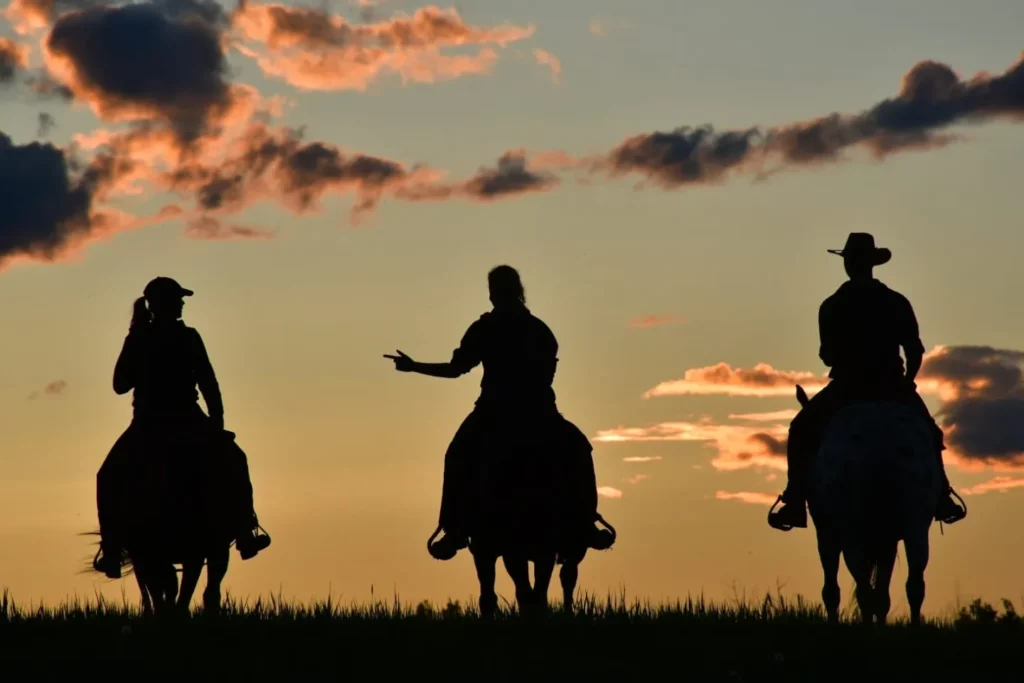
point(917, 561)
point(166, 577)
point(147, 601)
point(859, 562)
point(486, 575)
point(190, 572)
point(518, 569)
point(151, 583)
point(542, 571)
point(886, 560)
point(568, 575)
point(216, 570)
point(829, 552)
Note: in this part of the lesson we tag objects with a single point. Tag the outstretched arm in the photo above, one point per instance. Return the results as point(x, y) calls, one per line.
point(208, 385)
point(404, 363)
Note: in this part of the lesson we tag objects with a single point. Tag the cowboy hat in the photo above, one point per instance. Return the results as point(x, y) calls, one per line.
point(860, 247)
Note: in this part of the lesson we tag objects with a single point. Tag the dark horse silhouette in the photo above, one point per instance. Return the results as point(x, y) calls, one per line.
point(174, 512)
point(528, 498)
point(873, 484)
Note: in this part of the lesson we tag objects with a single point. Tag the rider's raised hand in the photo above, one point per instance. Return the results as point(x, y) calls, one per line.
point(402, 362)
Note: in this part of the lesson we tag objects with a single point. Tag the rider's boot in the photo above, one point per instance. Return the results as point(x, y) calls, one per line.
point(252, 540)
point(792, 514)
point(948, 511)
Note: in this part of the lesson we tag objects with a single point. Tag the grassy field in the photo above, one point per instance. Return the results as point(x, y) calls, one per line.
point(607, 640)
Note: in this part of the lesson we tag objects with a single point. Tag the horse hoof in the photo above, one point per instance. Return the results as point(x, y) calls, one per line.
point(488, 607)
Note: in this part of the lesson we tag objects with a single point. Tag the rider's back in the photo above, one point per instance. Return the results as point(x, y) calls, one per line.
point(863, 325)
point(166, 367)
point(518, 352)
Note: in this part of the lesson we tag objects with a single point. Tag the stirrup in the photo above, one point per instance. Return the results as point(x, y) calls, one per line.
point(952, 518)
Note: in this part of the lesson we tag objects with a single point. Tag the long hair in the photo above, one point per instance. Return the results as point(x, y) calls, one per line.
point(506, 287)
point(141, 315)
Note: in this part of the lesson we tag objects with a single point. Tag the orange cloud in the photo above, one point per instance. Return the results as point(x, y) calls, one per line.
point(722, 379)
point(774, 416)
point(655, 320)
point(642, 458)
point(314, 50)
point(609, 492)
point(545, 58)
point(13, 56)
point(28, 16)
point(998, 484)
point(636, 479)
point(981, 413)
point(750, 497)
point(736, 447)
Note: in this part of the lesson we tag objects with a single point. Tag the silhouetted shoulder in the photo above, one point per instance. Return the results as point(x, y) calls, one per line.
point(470, 351)
point(544, 332)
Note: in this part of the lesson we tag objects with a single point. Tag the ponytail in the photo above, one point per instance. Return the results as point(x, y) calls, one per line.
point(140, 314)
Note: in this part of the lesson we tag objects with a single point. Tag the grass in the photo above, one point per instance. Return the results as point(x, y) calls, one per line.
point(270, 639)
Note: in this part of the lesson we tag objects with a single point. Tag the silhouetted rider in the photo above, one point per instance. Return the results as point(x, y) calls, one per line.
point(519, 354)
point(164, 361)
point(862, 328)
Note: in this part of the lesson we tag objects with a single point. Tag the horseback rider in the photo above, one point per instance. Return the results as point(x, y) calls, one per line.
point(164, 361)
point(519, 354)
point(862, 327)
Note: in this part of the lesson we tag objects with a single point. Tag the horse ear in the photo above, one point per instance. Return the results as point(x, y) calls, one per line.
point(801, 395)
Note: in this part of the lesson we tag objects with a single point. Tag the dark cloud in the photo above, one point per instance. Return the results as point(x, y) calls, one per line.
point(46, 124)
point(684, 156)
point(278, 164)
point(932, 98)
point(210, 228)
point(145, 61)
point(46, 87)
point(510, 177)
point(12, 60)
point(770, 444)
point(44, 208)
point(54, 388)
point(982, 410)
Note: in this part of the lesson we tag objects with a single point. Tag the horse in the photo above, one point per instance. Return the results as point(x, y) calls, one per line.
point(174, 513)
point(529, 503)
point(873, 484)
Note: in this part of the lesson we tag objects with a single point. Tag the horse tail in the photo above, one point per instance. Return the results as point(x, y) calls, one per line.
point(126, 561)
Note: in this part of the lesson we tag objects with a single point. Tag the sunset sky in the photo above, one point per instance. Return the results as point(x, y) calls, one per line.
point(335, 179)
